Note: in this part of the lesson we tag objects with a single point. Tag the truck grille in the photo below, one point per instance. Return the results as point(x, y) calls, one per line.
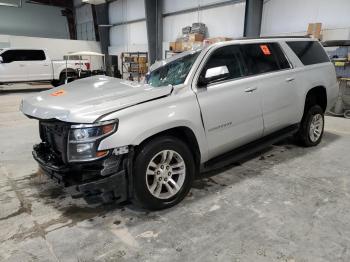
point(55, 135)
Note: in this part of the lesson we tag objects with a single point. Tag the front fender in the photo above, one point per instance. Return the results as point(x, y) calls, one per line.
point(137, 123)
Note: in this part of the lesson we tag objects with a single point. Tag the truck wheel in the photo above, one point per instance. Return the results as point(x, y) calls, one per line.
point(163, 173)
point(55, 83)
point(311, 128)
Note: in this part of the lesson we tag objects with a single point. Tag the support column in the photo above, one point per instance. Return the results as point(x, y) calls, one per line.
point(102, 18)
point(154, 23)
point(253, 16)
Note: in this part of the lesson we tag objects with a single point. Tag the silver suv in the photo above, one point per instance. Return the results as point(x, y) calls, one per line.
point(109, 139)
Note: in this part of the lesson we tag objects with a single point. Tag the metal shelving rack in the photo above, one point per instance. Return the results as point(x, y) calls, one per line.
point(131, 65)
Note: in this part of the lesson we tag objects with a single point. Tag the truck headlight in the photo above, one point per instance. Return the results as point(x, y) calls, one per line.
point(83, 140)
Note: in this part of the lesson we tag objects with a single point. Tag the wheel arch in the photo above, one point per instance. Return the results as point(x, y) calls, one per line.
point(316, 96)
point(182, 133)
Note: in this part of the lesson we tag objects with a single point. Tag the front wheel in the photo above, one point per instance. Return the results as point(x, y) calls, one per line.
point(163, 173)
point(312, 126)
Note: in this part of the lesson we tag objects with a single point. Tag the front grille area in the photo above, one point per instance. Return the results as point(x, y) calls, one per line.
point(55, 135)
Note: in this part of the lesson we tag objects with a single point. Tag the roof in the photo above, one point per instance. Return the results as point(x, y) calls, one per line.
point(84, 53)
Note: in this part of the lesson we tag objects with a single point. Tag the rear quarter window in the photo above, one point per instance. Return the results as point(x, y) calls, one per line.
point(309, 52)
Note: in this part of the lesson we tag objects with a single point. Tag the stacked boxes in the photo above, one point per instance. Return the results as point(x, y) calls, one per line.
point(213, 40)
point(314, 30)
point(193, 37)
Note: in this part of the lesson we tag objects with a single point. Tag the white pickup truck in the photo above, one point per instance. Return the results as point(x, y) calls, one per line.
point(26, 65)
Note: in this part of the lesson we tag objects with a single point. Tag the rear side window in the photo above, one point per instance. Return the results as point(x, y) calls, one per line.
point(309, 52)
point(223, 64)
point(263, 58)
point(35, 55)
point(23, 55)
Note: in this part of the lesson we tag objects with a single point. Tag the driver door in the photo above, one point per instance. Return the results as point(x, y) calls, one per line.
point(13, 68)
point(229, 102)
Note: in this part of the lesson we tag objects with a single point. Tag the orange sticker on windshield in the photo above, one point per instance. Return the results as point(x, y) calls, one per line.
point(60, 92)
point(265, 49)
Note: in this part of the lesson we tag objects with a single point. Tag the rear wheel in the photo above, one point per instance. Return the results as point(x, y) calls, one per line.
point(312, 126)
point(164, 170)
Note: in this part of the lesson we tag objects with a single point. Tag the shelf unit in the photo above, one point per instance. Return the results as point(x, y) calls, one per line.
point(134, 64)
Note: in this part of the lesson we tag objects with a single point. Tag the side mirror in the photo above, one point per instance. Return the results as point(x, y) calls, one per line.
point(202, 81)
point(1, 59)
point(213, 74)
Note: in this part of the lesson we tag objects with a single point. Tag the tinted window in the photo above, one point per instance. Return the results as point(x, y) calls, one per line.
point(263, 57)
point(23, 55)
point(309, 52)
point(35, 55)
point(224, 62)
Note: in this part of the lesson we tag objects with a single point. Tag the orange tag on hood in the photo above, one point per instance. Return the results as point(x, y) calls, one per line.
point(60, 92)
point(265, 49)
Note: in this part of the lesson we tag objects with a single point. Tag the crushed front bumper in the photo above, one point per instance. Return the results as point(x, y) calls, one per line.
point(97, 181)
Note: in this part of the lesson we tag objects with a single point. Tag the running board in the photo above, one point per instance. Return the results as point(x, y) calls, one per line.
point(249, 149)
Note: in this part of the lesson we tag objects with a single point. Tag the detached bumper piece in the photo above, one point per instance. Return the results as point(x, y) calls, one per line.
point(100, 181)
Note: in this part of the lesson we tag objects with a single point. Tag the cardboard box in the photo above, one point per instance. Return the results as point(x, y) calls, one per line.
point(314, 30)
point(214, 40)
point(142, 59)
point(195, 37)
point(178, 47)
point(172, 46)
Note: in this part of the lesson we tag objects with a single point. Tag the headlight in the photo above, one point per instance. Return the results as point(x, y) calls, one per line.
point(83, 140)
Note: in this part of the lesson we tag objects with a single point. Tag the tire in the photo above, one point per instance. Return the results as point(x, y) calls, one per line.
point(150, 159)
point(305, 135)
point(55, 83)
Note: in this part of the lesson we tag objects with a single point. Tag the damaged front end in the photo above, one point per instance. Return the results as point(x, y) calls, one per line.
point(95, 176)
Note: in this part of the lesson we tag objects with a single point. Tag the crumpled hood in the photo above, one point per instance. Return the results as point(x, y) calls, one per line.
point(85, 100)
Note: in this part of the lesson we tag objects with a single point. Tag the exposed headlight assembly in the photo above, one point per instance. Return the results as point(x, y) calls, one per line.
point(83, 140)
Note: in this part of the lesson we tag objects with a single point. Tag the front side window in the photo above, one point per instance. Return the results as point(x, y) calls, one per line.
point(23, 55)
point(309, 52)
point(263, 58)
point(11, 56)
point(34, 55)
point(173, 73)
point(223, 64)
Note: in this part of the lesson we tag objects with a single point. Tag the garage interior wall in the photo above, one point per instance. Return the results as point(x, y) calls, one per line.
point(285, 17)
point(84, 22)
point(227, 21)
point(128, 37)
point(133, 37)
point(32, 20)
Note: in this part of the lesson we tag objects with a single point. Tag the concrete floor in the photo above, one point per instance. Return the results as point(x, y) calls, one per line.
point(285, 204)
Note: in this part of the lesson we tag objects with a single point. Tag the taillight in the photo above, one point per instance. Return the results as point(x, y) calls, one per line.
point(87, 66)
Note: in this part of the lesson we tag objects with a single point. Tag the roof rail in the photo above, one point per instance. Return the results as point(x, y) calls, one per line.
point(272, 37)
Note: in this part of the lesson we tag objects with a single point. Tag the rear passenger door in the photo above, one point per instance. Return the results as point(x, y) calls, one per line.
point(38, 65)
point(269, 68)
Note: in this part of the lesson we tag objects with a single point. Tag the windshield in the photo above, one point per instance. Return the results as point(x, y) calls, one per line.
point(173, 73)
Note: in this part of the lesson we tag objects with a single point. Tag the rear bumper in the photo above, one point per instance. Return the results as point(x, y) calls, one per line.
point(99, 181)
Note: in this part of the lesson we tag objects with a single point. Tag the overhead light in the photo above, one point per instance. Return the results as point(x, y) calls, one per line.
point(94, 2)
point(10, 3)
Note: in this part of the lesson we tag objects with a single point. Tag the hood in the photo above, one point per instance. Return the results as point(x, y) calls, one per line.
point(85, 100)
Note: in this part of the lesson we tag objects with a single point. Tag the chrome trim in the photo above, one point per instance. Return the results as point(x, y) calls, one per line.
point(211, 50)
point(103, 123)
point(93, 139)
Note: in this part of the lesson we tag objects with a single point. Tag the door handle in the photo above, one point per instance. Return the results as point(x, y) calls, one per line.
point(46, 65)
point(250, 89)
point(21, 65)
point(290, 79)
